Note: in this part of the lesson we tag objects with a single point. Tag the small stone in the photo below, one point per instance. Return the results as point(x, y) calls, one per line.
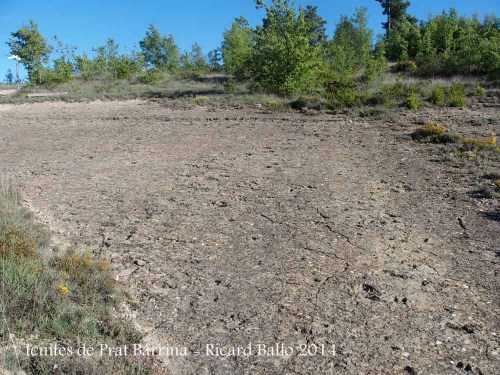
point(140, 262)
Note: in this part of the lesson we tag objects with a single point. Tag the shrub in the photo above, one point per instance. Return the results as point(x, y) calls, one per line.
point(457, 95)
point(230, 86)
point(438, 96)
point(306, 101)
point(414, 88)
point(434, 133)
point(479, 143)
point(405, 66)
point(201, 100)
point(275, 106)
point(412, 101)
point(124, 67)
point(344, 96)
point(479, 91)
point(378, 113)
point(150, 76)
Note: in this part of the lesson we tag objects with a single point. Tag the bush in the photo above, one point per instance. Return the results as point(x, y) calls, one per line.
point(434, 133)
point(201, 100)
point(307, 101)
point(342, 98)
point(438, 96)
point(378, 113)
point(412, 101)
point(150, 76)
point(405, 66)
point(124, 67)
point(230, 86)
point(275, 106)
point(479, 91)
point(457, 95)
point(479, 143)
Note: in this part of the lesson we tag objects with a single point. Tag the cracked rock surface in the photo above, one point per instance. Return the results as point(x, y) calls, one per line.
point(234, 227)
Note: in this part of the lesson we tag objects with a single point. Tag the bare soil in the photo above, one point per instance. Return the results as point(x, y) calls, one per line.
point(234, 227)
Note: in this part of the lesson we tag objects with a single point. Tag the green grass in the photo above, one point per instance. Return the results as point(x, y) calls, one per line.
point(66, 299)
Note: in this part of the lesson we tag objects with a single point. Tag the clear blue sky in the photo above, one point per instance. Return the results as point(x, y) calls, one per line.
point(89, 23)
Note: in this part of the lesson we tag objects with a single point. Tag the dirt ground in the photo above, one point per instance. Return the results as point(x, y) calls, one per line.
point(234, 228)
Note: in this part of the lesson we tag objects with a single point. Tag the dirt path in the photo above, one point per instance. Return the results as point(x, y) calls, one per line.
point(238, 227)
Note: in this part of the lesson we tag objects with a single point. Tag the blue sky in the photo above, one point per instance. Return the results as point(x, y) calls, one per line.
point(89, 23)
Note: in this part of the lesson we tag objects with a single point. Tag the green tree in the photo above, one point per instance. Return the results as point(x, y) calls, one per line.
point(316, 25)
point(194, 60)
point(238, 49)
point(9, 77)
point(214, 59)
point(403, 41)
point(350, 47)
point(395, 10)
point(30, 45)
point(160, 51)
point(285, 60)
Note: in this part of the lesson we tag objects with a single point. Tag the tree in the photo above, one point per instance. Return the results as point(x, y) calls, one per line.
point(9, 77)
point(285, 60)
point(30, 45)
point(238, 49)
point(194, 60)
point(160, 51)
point(395, 10)
point(316, 25)
point(352, 41)
point(214, 59)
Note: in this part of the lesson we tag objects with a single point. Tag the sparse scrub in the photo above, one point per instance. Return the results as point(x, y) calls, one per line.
point(68, 298)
